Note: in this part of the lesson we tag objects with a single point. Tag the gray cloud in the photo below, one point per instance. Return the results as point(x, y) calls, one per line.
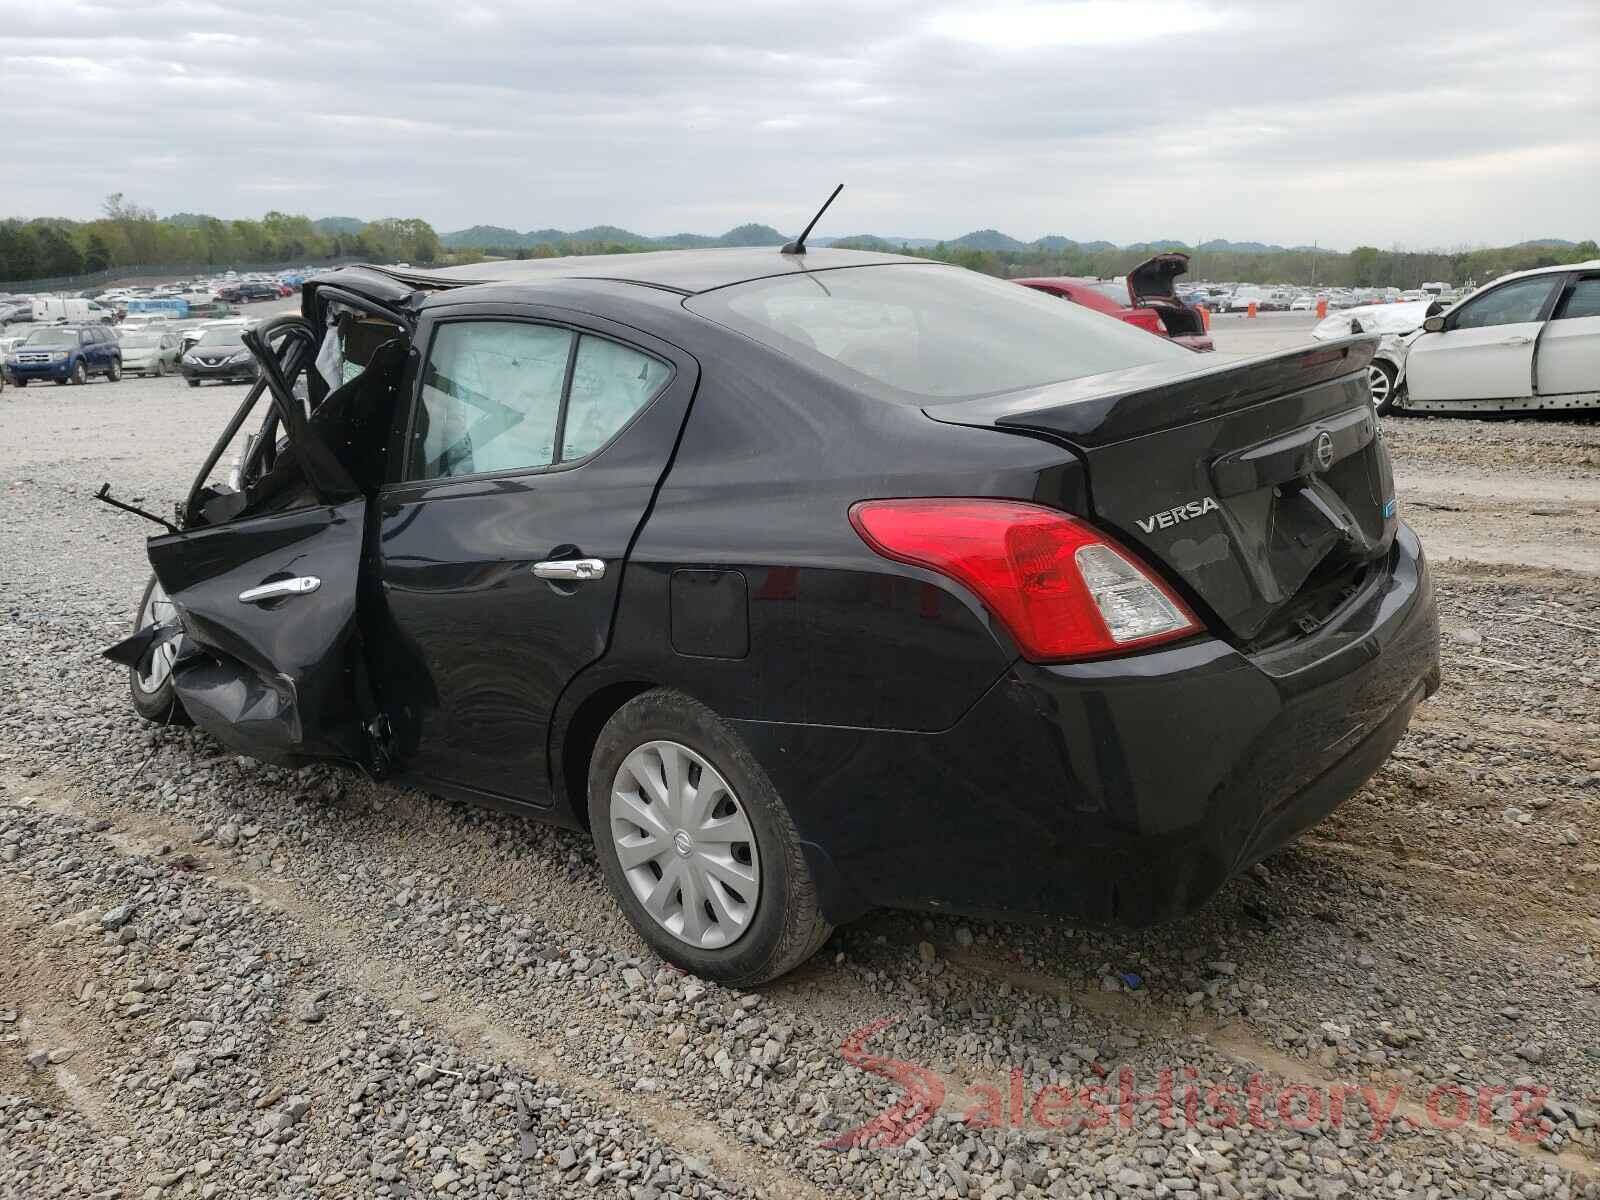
point(1338, 122)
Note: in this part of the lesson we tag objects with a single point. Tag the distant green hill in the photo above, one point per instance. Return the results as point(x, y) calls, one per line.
point(338, 224)
point(987, 239)
point(484, 237)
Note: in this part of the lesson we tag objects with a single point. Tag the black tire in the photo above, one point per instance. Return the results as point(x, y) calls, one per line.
point(787, 927)
point(80, 374)
point(115, 372)
point(161, 368)
point(161, 704)
point(194, 383)
point(1386, 405)
point(22, 383)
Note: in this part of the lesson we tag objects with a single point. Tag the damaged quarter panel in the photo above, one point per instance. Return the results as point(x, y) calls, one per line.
point(275, 679)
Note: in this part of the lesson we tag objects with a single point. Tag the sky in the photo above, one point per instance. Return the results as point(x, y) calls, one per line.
point(1339, 122)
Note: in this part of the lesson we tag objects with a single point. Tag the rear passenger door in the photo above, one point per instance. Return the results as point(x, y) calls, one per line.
point(536, 440)
point(1568, 363)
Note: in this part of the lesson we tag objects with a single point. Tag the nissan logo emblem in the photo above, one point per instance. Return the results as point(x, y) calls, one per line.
point(1323, 449)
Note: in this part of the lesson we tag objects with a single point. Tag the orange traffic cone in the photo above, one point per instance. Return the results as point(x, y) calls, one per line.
point(1322, 307)
point(1251, 311)
point(1205, 318)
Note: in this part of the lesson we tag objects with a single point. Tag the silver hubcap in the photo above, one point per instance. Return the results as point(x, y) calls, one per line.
point(685, 845)
point(158, 610)
point(1378, 381)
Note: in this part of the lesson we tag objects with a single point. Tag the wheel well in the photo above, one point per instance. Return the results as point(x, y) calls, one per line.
point(583, 731)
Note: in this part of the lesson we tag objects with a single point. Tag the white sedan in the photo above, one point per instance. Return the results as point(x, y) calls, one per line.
point(1526, 342)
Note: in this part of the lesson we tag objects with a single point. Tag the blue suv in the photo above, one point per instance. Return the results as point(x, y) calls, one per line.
point(66, 354)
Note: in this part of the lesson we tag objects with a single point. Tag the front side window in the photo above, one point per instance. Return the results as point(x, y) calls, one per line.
point(915, 333)
point(1514, 304)
point(507, 396)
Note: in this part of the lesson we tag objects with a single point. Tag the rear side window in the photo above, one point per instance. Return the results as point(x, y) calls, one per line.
point(1514, 304)
point(610, 383)
point(1583, 300)
point(917, 333)
point(507, 396)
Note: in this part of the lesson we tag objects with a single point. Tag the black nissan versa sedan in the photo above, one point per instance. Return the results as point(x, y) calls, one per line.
point(805, 582)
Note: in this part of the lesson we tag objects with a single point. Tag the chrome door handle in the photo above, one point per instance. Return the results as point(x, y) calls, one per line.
point(571, 569)
point(279, 588)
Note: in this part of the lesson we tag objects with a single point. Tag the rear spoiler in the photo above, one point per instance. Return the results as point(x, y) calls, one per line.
point(1098, 410)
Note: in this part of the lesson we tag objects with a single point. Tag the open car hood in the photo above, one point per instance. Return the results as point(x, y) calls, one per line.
point(1153, 278)
point(1376, 318)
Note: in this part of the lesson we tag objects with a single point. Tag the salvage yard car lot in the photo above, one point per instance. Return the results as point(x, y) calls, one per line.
point(664, 620)
point(437, 932)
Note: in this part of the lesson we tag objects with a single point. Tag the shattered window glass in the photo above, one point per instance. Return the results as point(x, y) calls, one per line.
point(490, 397)
point(609, 384)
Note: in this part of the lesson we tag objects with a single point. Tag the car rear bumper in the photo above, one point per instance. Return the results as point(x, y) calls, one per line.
point(1126, 791)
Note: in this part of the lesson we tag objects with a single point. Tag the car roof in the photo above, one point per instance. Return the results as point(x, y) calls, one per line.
point(1592, 264)
point(685, 271)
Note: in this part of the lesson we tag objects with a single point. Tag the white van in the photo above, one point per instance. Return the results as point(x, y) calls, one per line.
point(54, 310)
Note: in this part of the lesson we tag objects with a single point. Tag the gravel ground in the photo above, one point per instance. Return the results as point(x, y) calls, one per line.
point(219, 978)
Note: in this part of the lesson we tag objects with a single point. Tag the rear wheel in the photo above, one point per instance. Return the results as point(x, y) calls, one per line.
point(1380, 378)
point(154, 697)
point(697, 846)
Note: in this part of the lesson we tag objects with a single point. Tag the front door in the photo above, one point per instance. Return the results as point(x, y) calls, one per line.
point(267, 580)
point(271, 602)
point(1485, 351)
point(534, 448)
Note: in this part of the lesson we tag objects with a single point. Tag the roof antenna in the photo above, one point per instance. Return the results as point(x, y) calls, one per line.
point(798, 246)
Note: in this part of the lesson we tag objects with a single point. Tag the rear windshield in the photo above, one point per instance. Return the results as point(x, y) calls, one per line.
point(921, 333)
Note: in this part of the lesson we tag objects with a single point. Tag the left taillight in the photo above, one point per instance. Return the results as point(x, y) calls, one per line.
point(1063, 589)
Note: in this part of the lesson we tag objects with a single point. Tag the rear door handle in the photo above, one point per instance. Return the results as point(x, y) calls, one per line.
point(280, 588)
point(1516, 341)
point(571, 569)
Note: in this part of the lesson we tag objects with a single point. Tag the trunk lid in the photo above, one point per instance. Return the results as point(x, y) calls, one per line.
point(1263, 486)
point(1153, 278)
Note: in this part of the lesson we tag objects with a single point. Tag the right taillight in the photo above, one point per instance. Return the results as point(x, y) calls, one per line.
point(1061, 587)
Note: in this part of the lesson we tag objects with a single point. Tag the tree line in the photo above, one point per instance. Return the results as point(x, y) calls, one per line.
point(1365, 266)
point(128, 235)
